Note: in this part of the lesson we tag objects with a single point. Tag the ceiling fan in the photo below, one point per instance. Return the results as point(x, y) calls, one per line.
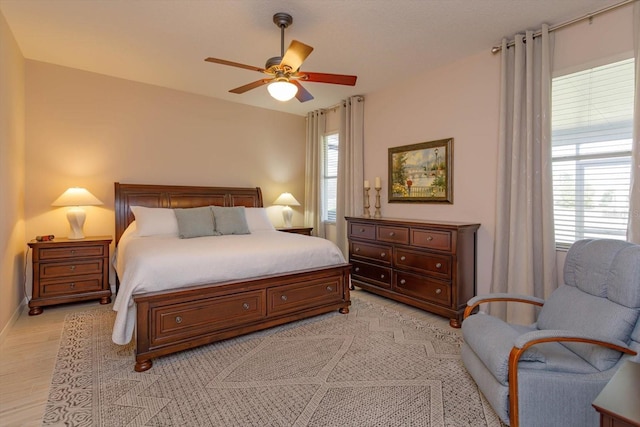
point(284, 70)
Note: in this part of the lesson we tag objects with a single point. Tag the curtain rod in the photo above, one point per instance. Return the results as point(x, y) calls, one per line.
point(589, 16)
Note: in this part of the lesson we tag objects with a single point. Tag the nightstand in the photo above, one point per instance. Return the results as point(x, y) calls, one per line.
point(297, 230)
point(69, 271)
point(617, 403)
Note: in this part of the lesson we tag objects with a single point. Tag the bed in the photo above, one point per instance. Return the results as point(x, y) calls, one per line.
point(194, 314)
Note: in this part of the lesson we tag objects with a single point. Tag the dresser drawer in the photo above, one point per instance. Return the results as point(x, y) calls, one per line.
point(77, 285)
point(54, 253)
point(378, 253)
point(422, 287)
point(61, 269)
point(183, 321)
point(393, 234)
point(362, 231)
point(432, 264)
point(439, 240)
point(283, 299)
point(381, 275)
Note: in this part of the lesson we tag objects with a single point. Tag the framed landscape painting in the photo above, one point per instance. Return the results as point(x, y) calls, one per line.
point(422, 173)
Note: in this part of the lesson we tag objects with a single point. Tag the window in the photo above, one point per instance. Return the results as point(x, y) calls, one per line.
point(330, 177)
point(592, 122)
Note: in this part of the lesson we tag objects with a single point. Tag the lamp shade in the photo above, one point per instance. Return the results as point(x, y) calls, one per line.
point(286, 199)
point(282, 90)
point(77, 196)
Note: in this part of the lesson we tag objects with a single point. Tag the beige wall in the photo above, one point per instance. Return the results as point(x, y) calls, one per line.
point(12, 146)
point(461, 101)
point(90, 130)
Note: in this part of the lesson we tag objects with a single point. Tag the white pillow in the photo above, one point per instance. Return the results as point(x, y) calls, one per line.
point(258, 220)
point(155, 221)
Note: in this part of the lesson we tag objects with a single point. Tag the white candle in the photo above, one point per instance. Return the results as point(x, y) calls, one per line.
point(378, 182)
point(366, 184)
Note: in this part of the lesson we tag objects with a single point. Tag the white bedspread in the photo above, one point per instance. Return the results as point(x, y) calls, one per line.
point(157, 263)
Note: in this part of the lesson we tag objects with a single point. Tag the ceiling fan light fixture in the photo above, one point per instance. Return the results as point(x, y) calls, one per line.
point(282, 90)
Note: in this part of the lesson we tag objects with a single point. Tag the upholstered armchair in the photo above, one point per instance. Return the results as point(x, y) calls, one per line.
point(549, 373)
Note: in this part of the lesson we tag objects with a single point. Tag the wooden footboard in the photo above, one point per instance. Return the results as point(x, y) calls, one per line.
point(172, 321)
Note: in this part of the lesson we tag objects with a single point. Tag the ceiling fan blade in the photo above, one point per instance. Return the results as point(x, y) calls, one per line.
point(338, 79)
point(248, 87)
point(235, 64)
point(296, 54)
point(302, 95)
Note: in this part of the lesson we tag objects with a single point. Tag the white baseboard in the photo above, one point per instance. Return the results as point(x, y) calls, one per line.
point(12, 320)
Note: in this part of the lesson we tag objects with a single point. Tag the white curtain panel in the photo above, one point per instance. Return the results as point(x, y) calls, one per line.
point(524, 258)
point(350, 167)
point(633, 230)
point(316, 123)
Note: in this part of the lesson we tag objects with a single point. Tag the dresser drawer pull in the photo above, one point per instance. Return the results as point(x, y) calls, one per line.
point(245, 306)
point(382, 255)
point(430, 238)
point(402, 281)
point(438, 265)
point(357, 269)
point(438, 291)
point(358, 249)
point(283, 298)
point(382, 276)
point(362, 230)
point(391, 234)
point(178, 319)
point(73, 251)
point(402, 258)
point(329, 288)
point(72, 285)
point(73, 267)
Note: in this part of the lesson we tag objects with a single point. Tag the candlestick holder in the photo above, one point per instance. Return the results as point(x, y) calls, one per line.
point(377, 213)
point(366, 214)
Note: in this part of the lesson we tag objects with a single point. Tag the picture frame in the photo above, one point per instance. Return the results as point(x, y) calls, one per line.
point(421, 173)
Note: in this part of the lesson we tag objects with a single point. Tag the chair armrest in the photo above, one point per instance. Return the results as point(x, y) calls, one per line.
point(524, 341)
point(480, 299)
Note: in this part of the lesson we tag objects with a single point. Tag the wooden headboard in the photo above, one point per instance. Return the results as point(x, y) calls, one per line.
point(176, 196)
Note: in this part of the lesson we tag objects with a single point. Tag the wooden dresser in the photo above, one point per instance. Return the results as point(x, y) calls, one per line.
point(68, 271)
point(426, 264)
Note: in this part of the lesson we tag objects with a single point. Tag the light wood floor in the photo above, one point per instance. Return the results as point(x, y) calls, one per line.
point(28, 354)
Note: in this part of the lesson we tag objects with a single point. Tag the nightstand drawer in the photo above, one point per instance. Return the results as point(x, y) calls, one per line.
point(49, 288)
point(59, 269)
point(71, 252)
point(373, 252)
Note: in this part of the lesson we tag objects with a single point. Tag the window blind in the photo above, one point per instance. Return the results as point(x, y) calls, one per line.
point(330, 177)
point(592, 122)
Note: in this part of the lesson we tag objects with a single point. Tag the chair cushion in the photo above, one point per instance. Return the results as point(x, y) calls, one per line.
point(598, 316)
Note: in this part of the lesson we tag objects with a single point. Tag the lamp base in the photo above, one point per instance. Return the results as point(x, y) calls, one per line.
point(287, 214)
point(76, 217)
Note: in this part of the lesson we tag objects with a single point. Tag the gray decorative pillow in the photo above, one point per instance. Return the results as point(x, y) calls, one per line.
point(230, 220)
point(195, 222)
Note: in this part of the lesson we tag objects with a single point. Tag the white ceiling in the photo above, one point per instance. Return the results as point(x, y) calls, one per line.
point(164, 42)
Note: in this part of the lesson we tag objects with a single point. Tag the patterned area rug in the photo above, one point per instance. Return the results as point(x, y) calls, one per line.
point(372, 367)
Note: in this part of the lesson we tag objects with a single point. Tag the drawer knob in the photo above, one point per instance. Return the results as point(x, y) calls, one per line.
point(382, 276)
point(329, 288)
point(72, 285)
point(178, 319)
point(402, 258)
point(438, 291)
point(438, 265)
point(73, 251)
point(358, 249)
point(73, 267)
point(402, 281)
point(245, 306)
point(429, 238)
point(392, 233)
point(382, 255)
point(362, 230)
point(357, 269)
point(283, 298)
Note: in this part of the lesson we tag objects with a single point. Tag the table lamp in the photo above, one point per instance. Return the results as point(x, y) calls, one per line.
point(75, 198)
point(287, 200)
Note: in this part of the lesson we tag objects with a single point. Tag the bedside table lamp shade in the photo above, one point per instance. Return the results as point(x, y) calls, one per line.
point(75, 198)
point(286, 200)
